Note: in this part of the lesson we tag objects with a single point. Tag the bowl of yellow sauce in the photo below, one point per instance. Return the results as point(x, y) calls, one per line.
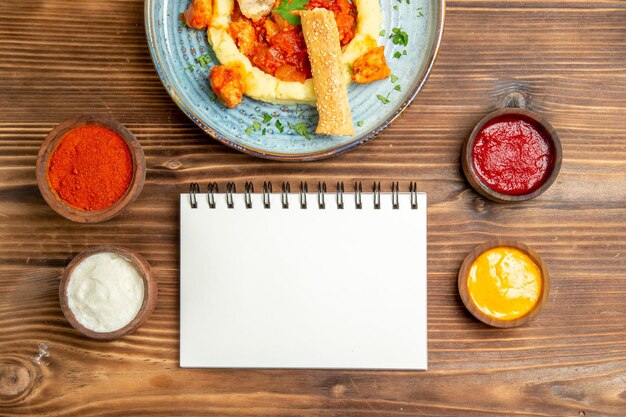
point(503, 283)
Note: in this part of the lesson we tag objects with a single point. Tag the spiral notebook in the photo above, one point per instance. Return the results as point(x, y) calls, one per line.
point(304, 279)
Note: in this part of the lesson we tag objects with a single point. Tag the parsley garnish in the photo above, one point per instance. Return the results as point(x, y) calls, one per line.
point(204, 60)
point(382, 33)
point(249, 130)
point(359, 123)
point(266, 118)
point(383, 99)
point(183, 23)
point(256, 125)
point(279, 126)
point(399, 37)
point(398, 88)
point(287, 7)
point(394, 78)
point(300, 129)
point(397, 54)
point(190, 68)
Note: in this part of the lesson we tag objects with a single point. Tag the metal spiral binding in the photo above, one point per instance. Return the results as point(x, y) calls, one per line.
point(231, 188)
point(211, 191)
point(267, 190)
point(413, 191)
point(304, 189)
point(358, 190)
point(321, 190)
point(194, 189)
point(340, 190)
point(284, 195)
point(395, 195)
point(376, 190)
point(247, 196)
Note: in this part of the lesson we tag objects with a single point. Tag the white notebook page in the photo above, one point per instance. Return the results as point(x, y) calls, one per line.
point(303, 288)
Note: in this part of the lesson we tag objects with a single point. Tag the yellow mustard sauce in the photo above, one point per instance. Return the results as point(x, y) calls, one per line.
point(504, 283)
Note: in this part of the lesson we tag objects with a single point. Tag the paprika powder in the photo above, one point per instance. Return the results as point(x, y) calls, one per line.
point(91, 168)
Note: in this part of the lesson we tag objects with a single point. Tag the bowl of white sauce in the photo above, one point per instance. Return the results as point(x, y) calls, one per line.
point(107, 292)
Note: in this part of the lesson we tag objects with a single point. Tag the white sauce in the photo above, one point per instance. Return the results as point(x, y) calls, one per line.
point(105, 292)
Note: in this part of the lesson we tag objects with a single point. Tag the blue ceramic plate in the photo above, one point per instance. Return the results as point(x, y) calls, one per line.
point(183, 60)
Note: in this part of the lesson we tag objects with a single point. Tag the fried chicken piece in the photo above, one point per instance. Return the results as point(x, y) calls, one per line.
point(227, 82)
point(198, 14)
point(256, 9)
point(371, 66)
point(243, 34)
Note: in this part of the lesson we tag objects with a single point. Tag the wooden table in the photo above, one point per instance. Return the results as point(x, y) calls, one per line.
point(566, 57)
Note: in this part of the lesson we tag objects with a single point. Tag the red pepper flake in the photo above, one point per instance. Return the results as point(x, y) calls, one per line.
point(511, 155)
point(91, 168)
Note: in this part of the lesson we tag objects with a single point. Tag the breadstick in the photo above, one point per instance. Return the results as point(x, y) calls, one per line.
point(322, 41)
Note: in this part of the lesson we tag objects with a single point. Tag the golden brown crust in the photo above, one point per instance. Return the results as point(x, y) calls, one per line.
point(227, 82)
point(198, 14)
point(371, 66)
point(322, 39)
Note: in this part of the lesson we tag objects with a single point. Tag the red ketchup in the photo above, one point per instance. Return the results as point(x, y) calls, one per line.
point(511, 155)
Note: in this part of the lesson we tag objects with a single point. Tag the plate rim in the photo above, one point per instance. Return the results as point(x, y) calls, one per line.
point(286, 157)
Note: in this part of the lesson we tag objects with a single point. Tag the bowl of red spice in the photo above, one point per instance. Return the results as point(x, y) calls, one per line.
point(512, 155)
point(90, 168)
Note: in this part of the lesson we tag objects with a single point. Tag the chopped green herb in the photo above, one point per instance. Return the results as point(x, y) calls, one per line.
point(300, 129)
point(382, 32)
point(263, 132)
point(256, 125)
point(398, 88)
point(404, 52)
point(249, 130)
point(204, 60)
point(359, 123)
point(279, 126)
point(395, 7)
point(383, 99)
point(290, 125)
point(420, 13)
point(183, 23)
point(266, 118)
point(213, 97)
point(399, 37)
point(397, 54)
point(287, 7)
point(190, 68)
point(394, 78)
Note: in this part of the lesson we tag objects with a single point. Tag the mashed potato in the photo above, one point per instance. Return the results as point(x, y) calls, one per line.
point(266, 87)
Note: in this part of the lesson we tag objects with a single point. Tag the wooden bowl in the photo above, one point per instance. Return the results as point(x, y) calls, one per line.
point(482, 188)
point(464, 274)
point(73, 213)
point(149, 293)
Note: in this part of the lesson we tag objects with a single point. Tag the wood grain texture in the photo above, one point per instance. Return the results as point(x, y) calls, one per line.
point(565, 57)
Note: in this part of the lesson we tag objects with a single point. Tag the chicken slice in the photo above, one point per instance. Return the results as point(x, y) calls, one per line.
point(371, 67)
point(228, 84)
point(198, 14)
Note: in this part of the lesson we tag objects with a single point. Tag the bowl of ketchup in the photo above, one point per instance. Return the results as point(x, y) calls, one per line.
point(511, 155)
